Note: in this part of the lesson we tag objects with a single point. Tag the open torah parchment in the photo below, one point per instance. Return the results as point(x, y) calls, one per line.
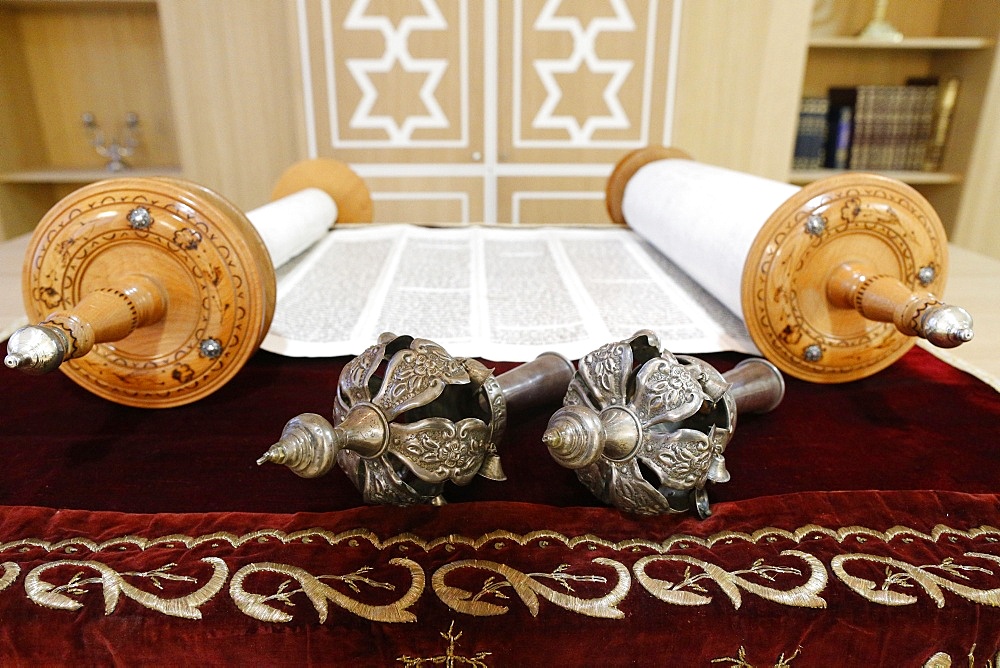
point(498, 293)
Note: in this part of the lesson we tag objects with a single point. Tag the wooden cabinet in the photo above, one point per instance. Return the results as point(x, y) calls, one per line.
point(60, 60)
point(940, 39)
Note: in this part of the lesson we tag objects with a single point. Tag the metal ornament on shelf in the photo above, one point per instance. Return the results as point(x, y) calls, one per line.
point(878, 28)
point(409, 417)
point(646, 430)
point(116, 147)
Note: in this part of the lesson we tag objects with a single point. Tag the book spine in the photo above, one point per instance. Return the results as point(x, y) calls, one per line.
point(945, 108)
point(811, 136)
point(840, 127)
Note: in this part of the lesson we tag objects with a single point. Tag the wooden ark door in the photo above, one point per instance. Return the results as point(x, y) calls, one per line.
point(496, 111)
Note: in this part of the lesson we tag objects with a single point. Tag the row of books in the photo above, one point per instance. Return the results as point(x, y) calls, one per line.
point(877, 127)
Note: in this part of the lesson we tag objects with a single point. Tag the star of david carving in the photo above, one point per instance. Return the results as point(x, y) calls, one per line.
point(584, 55)
point(373, 74)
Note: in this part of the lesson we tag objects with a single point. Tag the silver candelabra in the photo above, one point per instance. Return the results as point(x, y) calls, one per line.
point(116, 147)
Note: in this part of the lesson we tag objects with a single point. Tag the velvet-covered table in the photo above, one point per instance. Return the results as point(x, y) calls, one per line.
point(859, 528)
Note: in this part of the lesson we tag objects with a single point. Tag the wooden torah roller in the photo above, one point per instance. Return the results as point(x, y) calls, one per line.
point(834, 280)
point(153, 292)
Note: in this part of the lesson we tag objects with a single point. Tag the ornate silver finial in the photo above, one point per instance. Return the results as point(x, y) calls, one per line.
point(409, 418)
point(645, 430)
point(36, 349)
point(946, 326)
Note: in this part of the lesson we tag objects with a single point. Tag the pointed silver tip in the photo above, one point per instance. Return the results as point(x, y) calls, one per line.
point(274, 454)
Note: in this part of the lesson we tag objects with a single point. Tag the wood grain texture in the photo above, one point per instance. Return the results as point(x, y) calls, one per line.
point(233, 77)
point(739, 74)
point(791, 302)
point(164, 312)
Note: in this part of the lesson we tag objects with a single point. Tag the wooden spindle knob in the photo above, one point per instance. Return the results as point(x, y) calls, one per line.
point(105, 315)
point(885, 298)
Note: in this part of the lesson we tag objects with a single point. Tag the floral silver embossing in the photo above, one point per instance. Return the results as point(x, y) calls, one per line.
point(646, 430)
point(438, 449)
point(417, 376)
point(423, 394)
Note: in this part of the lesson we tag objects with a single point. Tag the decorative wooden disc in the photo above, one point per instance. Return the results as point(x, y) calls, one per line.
point(348, 190)
point(205, 254)
point(870, 220)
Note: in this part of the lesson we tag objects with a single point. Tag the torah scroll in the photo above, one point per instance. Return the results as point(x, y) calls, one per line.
point(834, 280)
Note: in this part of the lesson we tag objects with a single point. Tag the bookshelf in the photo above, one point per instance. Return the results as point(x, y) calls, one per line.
point(61, 59)
point(213, 105)
point(940, 39)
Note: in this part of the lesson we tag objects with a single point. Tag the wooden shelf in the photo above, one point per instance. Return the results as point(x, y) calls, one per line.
point(943, 40)
point(62, 58)
point(803, 176)
point(912, 43)
point(83, 175)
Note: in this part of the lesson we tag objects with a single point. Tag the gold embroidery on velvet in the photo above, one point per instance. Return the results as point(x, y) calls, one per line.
point(740, 660)
point(450, 658)
point(10, 573)
point(902, 574)
point(934, 579)
point(60, 597)
point(318, 593)
point(939, 660)
point(679, 541)
point(943, 660)
point(528, 588)
point(686, 591)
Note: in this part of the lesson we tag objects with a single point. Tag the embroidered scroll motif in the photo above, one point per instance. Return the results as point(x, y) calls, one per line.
point(904, 575)
point(318, 593)
point(686, 591)
point(114, 584)
point(10, 573)
point(943, 660)
point(483, 575)
point(528, 587)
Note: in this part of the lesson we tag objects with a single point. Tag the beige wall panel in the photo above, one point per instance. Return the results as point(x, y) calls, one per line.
point(19, 128)
point(552, 201)
point(233, 77)
point(447, 201)
point(976, 226)
point(739, 75)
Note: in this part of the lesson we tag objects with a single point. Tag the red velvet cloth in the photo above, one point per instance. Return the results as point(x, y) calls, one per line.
point(795, 576)
point(857, 529)
point(920, 424)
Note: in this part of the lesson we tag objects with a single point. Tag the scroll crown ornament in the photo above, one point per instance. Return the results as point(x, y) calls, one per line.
point(408, 418)
point(646, 430)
